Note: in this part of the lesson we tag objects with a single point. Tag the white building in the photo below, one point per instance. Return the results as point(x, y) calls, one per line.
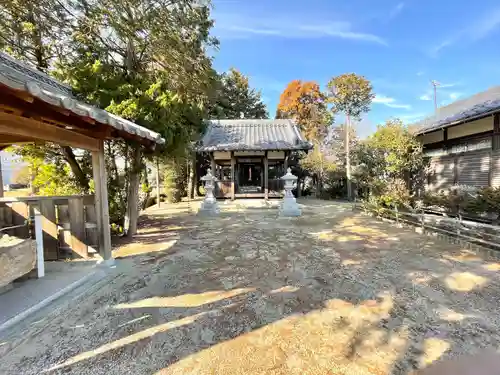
point(10, 164)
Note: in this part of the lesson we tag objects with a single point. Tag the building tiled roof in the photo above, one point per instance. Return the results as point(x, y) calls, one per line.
point(242, 134)
point(467, 109)
point(18, 76)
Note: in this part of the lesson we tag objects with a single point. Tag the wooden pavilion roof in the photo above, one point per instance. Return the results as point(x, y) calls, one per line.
point(35, 106)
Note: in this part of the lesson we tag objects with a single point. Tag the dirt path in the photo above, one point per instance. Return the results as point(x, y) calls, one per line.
point(332, 292)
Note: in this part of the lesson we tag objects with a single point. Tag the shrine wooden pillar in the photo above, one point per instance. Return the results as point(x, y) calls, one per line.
point(233, 164)
point(266, 175)
point(1, 178)
point(101, 203)
point(212, 163)
point(213, 167)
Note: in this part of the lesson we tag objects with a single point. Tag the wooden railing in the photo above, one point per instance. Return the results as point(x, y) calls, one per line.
point(69, 223)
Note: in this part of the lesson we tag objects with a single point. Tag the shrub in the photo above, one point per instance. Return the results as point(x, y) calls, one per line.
point(486, 201)
point(395, 193)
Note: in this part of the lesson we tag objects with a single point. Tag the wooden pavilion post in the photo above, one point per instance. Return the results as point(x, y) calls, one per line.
point(266, 175)
point(1, 178)
point(101, 203)
point(233, 163)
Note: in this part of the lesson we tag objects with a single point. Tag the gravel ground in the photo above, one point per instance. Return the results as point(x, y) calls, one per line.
point(331, 292)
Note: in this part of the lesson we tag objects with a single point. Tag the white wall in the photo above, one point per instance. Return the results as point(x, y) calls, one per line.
point(473, 127)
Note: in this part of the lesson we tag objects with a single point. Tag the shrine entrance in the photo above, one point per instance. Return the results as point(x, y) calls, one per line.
point(249, 177)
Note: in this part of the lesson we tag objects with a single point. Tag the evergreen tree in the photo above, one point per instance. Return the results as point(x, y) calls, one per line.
point(235, 98)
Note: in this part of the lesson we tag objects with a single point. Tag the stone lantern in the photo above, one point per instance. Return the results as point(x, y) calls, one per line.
point(289, 206)
point(209, 205)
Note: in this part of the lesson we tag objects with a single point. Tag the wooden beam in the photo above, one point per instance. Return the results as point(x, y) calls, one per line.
point(101, 202)
point(26, 127)
point(46, 111)
point(7, 139)
point(233, 164)
point(20, 94)
point(9, 109)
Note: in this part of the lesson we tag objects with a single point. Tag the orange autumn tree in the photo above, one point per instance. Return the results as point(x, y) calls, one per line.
point(304, 102)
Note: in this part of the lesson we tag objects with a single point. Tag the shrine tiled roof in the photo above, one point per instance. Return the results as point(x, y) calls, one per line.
point(255, 135)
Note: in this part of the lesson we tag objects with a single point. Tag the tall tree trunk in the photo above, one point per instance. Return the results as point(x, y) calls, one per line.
point(126, 166)
point(192, 177)
point(348, 157)
point(132, 214)
point(112, 157)
point(41, 62)
point(82, 179)
point(318, 186)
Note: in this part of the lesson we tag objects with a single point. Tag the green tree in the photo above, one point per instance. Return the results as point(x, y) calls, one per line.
point(352, 95)
point(35, 32)
point(32, 31)
point(233, 97)
point(150, 67)
point(390, 163)
point(144, 60)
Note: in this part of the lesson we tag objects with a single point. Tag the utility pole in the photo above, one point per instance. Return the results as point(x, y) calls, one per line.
point(435, 85)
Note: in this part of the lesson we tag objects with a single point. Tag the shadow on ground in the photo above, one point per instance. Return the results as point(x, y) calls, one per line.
point(251, 293)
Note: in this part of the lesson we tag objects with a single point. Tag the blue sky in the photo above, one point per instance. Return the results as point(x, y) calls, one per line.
point(398, 45)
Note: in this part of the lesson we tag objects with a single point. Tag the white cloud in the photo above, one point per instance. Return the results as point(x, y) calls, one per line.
point(420, 73)
point(425, 97)
point(237, 26)
point(389, 102)
point(473, 31)
point(383, 99)
point(455, 95)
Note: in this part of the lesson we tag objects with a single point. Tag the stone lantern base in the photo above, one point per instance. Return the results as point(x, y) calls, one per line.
point(209, 208)
point(289, 207)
